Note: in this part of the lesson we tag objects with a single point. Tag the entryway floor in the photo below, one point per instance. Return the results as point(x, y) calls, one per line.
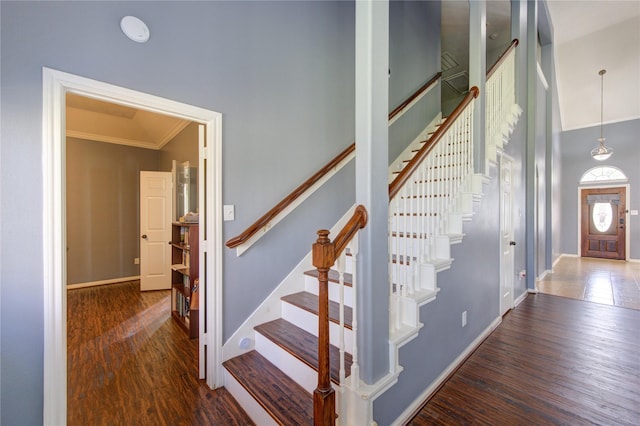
point(610, 282)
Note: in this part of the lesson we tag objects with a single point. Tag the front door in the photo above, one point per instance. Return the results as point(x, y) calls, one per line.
point(603, 223)
point(507, 244)
point(155, 230)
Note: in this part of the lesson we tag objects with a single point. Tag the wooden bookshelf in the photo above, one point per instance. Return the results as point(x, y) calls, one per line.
point(184, 276)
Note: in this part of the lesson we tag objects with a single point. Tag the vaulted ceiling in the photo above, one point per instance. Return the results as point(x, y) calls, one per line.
point(590, 36)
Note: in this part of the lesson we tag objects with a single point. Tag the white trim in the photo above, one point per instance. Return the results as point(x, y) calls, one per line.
point(55, 86)
point(415, 406)
point(102, 282)
point(173, 132)
point(543, 275)
point(541, 76)
point(520, 299)
point(634, 260)
point(306, 194)
point(627, 236)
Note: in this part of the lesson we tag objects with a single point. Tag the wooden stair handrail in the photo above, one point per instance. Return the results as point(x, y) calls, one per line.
point(502, 58)
point(266, 218)
point(412, 166)
point(289, 199)
point(324, 254)
point(417, 93)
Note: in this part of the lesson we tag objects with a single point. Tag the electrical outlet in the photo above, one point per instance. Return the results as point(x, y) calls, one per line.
point(229, 212)
point(464, 318)
point(136, 261)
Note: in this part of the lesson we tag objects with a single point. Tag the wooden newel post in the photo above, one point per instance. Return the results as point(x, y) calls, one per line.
point(324, 399)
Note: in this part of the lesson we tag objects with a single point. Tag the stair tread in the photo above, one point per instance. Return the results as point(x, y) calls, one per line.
point(303, 345)
point(309, 302)
point(333, 276)
point(284, 399)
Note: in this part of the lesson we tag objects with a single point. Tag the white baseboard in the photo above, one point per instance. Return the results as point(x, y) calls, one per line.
point(103, 282)
point(415, 406)
point(520, 298)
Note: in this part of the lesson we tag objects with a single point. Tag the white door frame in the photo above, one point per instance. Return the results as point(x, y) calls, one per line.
point(598, 185)
point(55, 86)
point(503, 274)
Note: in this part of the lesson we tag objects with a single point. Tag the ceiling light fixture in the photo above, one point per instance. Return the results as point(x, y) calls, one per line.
point(135, 29)
point(601, 152)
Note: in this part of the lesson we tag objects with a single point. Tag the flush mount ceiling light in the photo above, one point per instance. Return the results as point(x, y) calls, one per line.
point(601, 152)
point(135, 29)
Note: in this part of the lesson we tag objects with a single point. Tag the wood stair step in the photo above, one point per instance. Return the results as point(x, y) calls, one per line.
point(284, 399)
point(309, 302)
point(334, 277)
point(303, 345)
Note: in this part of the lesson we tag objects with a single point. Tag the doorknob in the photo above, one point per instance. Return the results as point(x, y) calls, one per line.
point(512, 243)
point(144, 236)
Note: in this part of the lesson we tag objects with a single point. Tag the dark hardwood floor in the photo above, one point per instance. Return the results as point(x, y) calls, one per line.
point(553, 360)
point(129, 363)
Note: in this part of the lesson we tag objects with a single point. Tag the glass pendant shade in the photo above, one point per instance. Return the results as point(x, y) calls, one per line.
point(601, 152)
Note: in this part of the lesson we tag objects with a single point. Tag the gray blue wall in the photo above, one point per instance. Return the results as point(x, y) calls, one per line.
point(280, 72)
point(414, 58)
point(576, 145)
point(103, 209)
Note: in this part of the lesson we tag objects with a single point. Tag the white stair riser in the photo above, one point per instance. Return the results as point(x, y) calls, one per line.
point(309, 322)
point(247, 402)
point(297, 370)
point(311, 285)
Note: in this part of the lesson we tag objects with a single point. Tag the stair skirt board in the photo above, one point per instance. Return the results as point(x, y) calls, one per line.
point(417, 404)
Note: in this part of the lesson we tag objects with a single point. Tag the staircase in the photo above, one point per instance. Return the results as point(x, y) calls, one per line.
point(257, 378)
point(272, 361)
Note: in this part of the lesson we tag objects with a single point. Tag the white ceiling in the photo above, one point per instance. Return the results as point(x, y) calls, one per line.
point(101, 121)
point(590, 36)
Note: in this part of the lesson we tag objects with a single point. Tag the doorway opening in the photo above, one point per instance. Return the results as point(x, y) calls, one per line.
point(56, 85)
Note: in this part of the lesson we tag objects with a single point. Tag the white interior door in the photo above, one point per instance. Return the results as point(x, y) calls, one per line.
point(507, 244)
point(155, 230)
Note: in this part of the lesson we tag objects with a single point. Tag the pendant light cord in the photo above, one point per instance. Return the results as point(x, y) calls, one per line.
point(602, 72)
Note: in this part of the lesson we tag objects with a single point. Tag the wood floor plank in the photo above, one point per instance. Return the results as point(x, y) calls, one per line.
point(129, 363)
point(553, 360)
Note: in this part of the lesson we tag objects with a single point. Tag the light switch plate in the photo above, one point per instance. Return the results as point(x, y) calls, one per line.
point(229, 212)
point(634, 212)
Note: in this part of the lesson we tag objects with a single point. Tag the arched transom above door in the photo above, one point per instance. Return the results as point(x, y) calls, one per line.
point(603, 174)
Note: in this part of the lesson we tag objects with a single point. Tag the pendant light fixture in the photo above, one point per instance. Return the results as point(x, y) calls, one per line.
point(601, 152)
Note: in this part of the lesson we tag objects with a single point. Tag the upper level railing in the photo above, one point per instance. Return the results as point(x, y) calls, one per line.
point(501, 110)
point(267, 221)
point(326, 254)
point(421, 198)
